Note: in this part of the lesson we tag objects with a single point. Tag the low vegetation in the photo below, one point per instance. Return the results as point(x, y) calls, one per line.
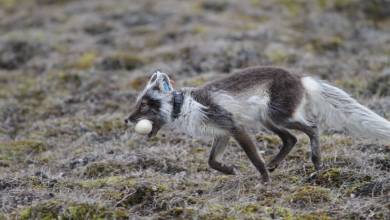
point(71, 70)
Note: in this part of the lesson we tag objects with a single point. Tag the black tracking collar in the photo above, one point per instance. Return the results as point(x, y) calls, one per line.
point(177, 102)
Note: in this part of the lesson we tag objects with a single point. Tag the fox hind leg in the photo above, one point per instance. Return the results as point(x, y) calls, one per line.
point(312, 132)
point(288, 140)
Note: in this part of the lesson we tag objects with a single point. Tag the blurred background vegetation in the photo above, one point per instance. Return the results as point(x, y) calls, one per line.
point(70, 71)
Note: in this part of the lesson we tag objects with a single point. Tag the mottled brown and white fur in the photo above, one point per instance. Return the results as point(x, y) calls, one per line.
point(271, 97)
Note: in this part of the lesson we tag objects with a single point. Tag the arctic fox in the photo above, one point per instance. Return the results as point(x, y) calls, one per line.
point(273, 97)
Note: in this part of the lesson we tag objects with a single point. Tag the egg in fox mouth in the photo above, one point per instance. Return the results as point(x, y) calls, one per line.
point(155, 127)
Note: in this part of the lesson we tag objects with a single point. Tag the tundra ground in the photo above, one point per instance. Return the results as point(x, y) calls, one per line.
point(70, 71)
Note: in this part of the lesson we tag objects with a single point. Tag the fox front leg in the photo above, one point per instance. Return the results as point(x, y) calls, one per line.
point(219, 146)
point(243, 139)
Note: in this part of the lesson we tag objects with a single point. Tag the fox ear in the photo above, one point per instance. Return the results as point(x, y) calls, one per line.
point(153, 78)
point(161, 82)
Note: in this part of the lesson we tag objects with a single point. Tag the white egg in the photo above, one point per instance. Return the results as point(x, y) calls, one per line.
point(144, 126)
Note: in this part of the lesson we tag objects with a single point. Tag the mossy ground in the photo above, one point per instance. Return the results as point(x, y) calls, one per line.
point(71, 70)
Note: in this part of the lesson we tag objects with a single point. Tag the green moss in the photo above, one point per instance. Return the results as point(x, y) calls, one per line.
point(121, 213)
point(200, 29)
point(310, 194)
point(70, 210)
point(294, 7)
point(196, 150)
point(280, 212)
point(195, 82)
point(326, 43)
point(102, 169)
point(256, 3)
point(64, 80)
point(61, 48)
point(84, 211)
point(107, 126)
point(336, 177)
point(277, 55)
point(85, 61)
point(12, 4)
point(178, 212)
point(250, 209)
point(25, 89)
point(7, 3)
point(312, 216)
point(344, 141)
point(139, 82)
point(114, 181)
point(322, 3)
point(112, 195)
point(217, 212)
point(332, 176)
point(268, 139)
point(44, 159)
point(293, 178)
point(20, 150)
point(25, 213)
point(44, 211)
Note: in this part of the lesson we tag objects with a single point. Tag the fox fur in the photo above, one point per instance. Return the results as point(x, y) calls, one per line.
point(268, 96)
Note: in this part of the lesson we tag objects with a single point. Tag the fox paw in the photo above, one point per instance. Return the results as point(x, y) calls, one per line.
point(230, 170)
point(272, 167)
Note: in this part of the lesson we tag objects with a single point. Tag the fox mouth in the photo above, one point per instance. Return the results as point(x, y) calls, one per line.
point(154, 131)
point(155, 126)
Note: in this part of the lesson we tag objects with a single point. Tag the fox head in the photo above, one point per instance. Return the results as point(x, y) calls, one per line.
point(154, 102)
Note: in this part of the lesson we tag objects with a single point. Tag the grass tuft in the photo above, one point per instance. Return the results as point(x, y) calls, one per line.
point(310, 194)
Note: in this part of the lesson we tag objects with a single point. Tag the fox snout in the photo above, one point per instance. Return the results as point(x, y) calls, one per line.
point(131, 119)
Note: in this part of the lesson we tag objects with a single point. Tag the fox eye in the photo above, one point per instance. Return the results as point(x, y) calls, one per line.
point(144, 107)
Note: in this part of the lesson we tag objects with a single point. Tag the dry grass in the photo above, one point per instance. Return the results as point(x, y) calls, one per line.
point(70, 71)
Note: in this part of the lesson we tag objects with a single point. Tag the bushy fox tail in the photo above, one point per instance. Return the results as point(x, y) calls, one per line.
point(335, 108)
